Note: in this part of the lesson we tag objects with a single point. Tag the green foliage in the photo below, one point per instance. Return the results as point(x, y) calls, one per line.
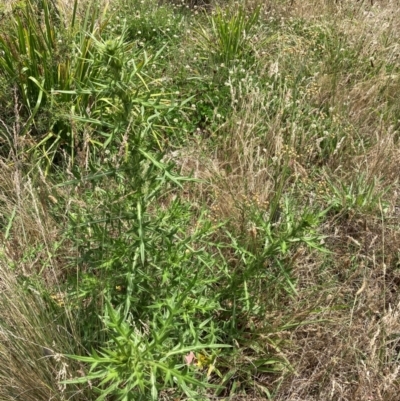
point(79, 90)
point(263, 260)
point(208, 106)
point(230, 34)
point(155, 297)
point(360, 197)
point(30, 54)
point(40, 58)
point(136, 254)
point(156, 266)
point(153, 271)
point(140, 361)
point(152, 24)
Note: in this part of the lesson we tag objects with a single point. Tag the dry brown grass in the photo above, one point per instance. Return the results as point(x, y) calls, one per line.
point(33, 233)
point(354, 356)
point(34, 332)
point(352, 353)
point(33, 340)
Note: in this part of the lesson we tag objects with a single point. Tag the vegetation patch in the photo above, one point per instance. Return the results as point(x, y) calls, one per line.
point(198, 200)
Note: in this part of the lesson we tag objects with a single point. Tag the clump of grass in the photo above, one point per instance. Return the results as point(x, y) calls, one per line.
point(70, 77)
point(35, 332)
point(33, 340)
point(230, 34)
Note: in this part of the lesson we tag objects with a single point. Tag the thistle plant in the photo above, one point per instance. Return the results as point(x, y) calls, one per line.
point(138, 362)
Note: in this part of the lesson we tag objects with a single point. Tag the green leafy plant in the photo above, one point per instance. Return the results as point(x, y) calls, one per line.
point(44, 62)
point(230, 33)
point(140, 361)
point(91, 97)
point(145, 262)
point(361, 196)
point(133, 252)
point(266, 256)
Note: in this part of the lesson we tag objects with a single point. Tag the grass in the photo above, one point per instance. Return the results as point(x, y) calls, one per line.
point(199, 201)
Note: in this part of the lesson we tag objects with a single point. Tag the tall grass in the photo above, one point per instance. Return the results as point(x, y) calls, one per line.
point(35, 332)
point(230, 35)
point(33, 341)
point(72, 80)
point(39, 58)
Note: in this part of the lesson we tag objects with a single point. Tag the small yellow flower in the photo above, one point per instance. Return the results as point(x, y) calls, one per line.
point(203, 361)
point(58, 299)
